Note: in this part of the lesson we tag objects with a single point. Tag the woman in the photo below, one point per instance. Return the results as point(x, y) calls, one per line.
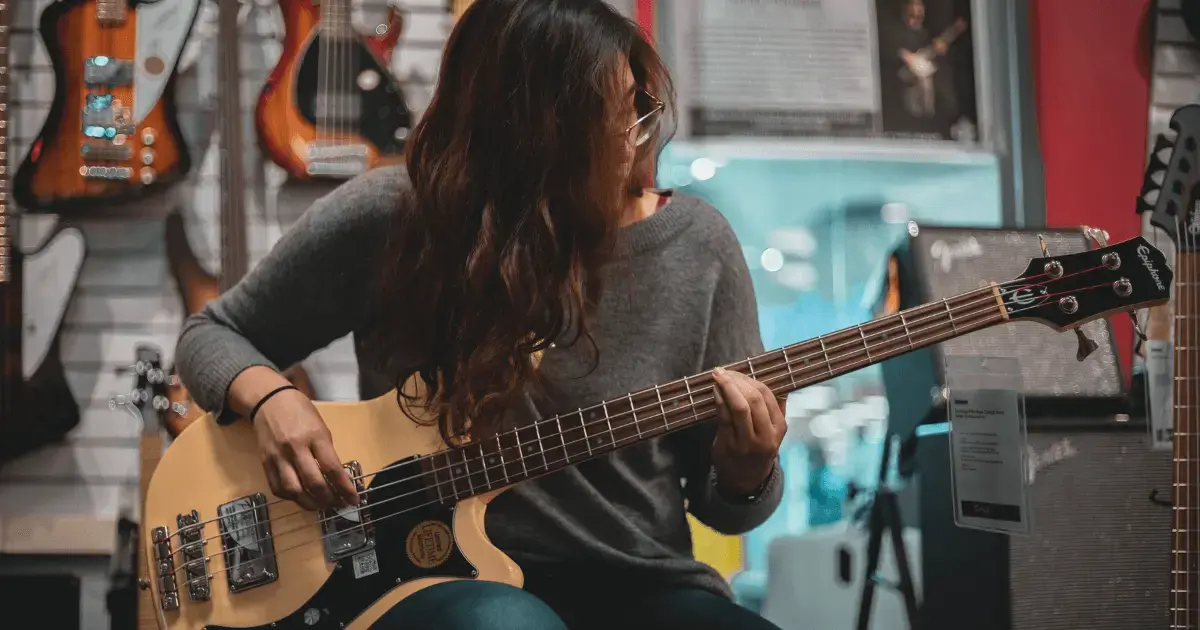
point(517, 267)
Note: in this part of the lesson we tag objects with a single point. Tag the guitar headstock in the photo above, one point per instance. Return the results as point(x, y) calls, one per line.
point(148, 398)
point(1176, 211)
point(1069, 290)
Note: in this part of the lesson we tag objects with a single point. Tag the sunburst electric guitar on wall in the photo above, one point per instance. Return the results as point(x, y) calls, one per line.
point(111, 134)
point(1176, 212)
point(332, 108)
point(230, 556)
point(196, 286)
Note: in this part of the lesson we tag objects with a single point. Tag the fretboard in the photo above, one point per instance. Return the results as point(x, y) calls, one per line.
point(1185, 524)
point(234, 248)
point(574, 437)
point(335, 19)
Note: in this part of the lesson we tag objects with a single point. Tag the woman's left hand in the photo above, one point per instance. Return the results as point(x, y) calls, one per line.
point(751, 429)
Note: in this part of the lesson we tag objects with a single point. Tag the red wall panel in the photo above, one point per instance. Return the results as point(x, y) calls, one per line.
point(1092, 89)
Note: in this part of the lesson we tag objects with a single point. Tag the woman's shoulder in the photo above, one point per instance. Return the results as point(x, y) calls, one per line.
point(708, 225)
point(373, 197)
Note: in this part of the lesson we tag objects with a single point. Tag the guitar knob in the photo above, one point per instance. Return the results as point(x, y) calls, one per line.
point(147, 174)
point(149, 136)
point(147, 156)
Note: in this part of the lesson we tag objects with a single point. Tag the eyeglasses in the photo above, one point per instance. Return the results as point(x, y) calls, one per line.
point(649, 110)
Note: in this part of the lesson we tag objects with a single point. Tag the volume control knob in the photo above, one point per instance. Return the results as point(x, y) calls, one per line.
point(148, 175)
point(147, 156)
point(149, 136)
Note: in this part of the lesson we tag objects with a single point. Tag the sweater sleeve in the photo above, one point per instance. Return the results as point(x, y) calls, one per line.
point(310, 290)
point(733, 335)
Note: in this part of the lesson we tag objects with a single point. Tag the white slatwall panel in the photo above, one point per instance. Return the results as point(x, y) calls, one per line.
point(125, 295)
point(1176, 69)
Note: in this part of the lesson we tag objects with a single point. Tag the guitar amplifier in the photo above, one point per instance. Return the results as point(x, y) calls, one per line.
point(940, 262)
point(1099, 551)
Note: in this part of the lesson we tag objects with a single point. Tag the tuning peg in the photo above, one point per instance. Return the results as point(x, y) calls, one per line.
point(1086, 346)
point(1042, 244)
point(1098, 236)
point(179, 409)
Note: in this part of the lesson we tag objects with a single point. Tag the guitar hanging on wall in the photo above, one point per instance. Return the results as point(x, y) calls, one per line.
point(1177, 213)
point(196, 286)
point(111, 134)
point(230, 557)
point(332, 108)
point(36, 405)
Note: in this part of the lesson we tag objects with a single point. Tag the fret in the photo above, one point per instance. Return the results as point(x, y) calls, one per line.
point(691, 399)
point(587, 439)
point(950, 314)
point(825, 353)
point(438, 472)
point(636, 423)
point(612, 437)
point(541, 449)
point(447, 467)
point(527, 440)
point(462, 470)
point(503, 464)
point(787, 364)
point(520, 455)
point(663, 407)
point(574, 436)
point(866, 346)
point(907, 334)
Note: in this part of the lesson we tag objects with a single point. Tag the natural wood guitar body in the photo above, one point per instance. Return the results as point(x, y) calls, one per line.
point(221, 463)
point(283, 132)
point(197, 287)
point(50, 178)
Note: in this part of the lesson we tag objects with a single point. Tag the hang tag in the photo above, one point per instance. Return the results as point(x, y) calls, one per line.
point(988, 444)
point(1159, 373)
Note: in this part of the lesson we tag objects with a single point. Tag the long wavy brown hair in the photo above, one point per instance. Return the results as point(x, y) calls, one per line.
point(520, 169)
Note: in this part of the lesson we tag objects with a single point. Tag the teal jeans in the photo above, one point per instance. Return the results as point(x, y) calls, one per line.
point(479, 605)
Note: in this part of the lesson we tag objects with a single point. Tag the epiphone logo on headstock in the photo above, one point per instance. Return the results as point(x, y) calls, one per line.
point(1144, 254)
point(947, 253)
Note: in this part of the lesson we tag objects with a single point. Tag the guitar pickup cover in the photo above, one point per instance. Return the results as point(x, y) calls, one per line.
point(107, 72)
point(348, 530)
point(246, 542)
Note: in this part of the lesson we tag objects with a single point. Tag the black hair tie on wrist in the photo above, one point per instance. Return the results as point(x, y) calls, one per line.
point(262, 401)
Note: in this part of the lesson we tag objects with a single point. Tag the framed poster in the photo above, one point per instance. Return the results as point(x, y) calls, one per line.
point(868, 69)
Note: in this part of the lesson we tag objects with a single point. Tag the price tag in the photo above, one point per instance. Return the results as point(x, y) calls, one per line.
point(1159, 406)
point(988, 444)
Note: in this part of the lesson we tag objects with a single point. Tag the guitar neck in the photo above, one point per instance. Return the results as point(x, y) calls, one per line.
point(1185, 539)
point(11, 310)
point(574, 437)
point(149, 453)
point(234, 248)
point(336, 19)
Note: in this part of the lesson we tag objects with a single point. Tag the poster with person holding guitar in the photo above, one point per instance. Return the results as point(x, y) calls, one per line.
point(926, 66)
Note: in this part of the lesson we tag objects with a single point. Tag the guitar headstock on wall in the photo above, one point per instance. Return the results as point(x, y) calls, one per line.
point(147, 400)
point(1176, 208)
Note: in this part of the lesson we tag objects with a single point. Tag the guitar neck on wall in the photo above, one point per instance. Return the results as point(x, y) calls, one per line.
point(197, 286)
point(111, 134)
point(1176, 212)
point(332, 108)
point(11, 312)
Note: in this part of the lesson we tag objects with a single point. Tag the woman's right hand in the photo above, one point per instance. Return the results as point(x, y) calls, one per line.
point(298, 455)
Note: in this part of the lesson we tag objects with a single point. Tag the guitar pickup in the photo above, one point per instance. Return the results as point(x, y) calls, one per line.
point(102, 152)
point(104, 117)
point(348, 530)
point(247, 543)
point(110, 173)
point(107, 72)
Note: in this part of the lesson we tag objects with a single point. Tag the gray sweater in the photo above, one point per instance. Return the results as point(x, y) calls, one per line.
point(678, 300)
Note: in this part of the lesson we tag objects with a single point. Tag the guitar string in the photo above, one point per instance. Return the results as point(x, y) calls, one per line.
point(936, 307)
point(700, 416)
point(696, 417)
point(788, 373)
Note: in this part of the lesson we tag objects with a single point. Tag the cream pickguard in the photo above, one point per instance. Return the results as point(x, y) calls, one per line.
point(162, 31)
point(49, 281)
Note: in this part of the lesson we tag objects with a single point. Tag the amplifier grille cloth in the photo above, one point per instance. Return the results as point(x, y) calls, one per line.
point(955, 260)
point(1098, 557)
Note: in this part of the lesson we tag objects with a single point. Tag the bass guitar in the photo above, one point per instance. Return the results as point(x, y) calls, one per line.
point(231, 557)
point(1176, 212)
point(197, 287)
point(332, 108)
point(36, 405)
point(111, 134)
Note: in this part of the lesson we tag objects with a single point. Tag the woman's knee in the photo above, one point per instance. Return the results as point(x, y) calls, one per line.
point(470, 605)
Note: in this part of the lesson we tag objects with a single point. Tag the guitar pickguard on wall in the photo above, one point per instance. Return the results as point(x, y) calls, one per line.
point(162, 32)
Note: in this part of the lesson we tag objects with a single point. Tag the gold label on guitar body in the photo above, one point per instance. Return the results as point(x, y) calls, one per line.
point(429, 544)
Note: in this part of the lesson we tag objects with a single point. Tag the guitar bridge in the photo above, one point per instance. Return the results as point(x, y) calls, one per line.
point(348, 530)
